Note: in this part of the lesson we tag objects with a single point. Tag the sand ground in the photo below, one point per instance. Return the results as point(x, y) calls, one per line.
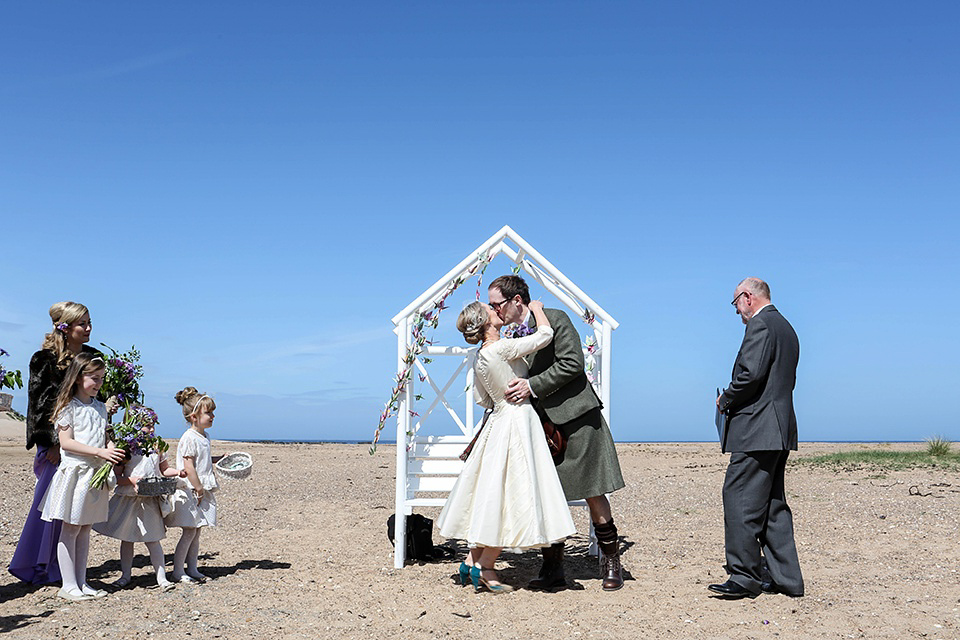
point(301, 552)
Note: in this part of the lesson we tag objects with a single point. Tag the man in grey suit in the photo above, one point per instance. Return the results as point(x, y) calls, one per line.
point(761, 430)
point(558, 387)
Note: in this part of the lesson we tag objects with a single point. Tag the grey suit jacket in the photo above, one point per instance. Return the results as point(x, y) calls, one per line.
point(556, 373)
point(759, 400)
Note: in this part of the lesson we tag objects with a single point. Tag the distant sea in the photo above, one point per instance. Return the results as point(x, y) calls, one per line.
point(303, 441)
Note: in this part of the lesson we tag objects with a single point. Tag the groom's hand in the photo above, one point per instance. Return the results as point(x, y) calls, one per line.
point(518, 390)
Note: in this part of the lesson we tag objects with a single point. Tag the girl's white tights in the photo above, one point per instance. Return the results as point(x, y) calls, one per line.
point(156, 559)
point(187, 551)
point(72, 551)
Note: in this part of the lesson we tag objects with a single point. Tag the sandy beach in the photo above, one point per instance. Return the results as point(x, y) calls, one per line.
point(302, 552)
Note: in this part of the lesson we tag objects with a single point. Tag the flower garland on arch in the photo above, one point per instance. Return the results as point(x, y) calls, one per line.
point(421, 319)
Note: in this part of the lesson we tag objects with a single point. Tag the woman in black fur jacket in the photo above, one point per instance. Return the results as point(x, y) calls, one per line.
point(35, 560)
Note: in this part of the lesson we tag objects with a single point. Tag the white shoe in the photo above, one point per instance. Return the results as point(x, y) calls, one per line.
point(75, 596)
point(90, 591)
point(166, 585)
point(185, 579)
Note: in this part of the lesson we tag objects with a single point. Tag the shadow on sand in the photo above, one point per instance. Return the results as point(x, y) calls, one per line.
point(101, 577)
point(519, 569)
point(20, 621)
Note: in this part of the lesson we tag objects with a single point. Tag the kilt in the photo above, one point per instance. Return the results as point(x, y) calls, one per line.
point(589, 467)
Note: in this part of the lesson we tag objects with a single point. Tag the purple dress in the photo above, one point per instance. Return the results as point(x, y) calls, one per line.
point(35, 560)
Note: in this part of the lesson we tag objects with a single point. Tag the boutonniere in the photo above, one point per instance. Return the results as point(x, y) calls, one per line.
point(517, 330)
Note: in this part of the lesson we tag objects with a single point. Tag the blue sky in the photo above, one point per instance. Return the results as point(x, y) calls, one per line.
point(248, 192)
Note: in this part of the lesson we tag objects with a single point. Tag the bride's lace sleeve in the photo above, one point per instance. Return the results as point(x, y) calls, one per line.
point(514, 348)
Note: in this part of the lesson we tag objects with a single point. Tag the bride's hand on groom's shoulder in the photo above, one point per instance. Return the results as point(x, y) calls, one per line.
point(535, 305)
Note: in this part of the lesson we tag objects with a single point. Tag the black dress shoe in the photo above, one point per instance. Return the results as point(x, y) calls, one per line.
point(731, 590)
point(771, 588)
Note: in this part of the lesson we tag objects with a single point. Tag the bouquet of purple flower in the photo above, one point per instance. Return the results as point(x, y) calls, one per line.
point(121, 379)
point(9, 378)
point(135, 435)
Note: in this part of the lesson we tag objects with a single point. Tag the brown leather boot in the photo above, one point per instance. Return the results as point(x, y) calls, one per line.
point(551, 572)
point(612, 571)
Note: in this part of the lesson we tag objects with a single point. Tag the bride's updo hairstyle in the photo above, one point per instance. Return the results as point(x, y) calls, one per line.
point(473, 321)
point(194, 402)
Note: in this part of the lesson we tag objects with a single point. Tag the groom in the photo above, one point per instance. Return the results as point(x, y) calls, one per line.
point(558, 387)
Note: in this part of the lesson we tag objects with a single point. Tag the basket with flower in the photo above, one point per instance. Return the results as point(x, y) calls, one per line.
point(135, 436)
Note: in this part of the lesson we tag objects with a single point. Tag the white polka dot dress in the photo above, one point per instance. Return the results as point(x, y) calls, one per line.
point(69, 497)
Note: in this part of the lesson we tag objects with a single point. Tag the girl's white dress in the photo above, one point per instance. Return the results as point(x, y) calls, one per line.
point(69, 496)
point(135, 518)
point(185, 509)
point(508, 493)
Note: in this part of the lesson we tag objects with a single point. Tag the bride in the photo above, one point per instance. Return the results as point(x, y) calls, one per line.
point(508, 493)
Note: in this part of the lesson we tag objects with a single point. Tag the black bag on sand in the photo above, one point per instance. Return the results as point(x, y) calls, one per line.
point(419, 541)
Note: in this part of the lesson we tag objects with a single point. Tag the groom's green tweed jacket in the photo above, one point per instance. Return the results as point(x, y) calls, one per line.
point(556, 372)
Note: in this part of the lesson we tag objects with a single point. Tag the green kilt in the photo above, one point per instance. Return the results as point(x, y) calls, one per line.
point(589, 467)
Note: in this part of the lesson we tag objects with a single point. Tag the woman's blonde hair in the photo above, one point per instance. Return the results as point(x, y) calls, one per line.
point(193, 402)
point(56, 341)
point(473, 321)
point(83, 363)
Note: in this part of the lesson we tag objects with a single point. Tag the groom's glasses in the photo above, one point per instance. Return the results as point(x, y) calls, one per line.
point(496, 305)
point(734, 303)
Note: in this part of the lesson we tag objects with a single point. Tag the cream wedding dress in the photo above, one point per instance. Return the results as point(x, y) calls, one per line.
point(508, 493)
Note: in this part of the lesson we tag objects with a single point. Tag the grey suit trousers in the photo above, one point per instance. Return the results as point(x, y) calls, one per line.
point(756, 517)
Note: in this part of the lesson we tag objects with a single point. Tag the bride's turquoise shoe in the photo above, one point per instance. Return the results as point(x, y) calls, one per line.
point(480, 584)
point(464, 574)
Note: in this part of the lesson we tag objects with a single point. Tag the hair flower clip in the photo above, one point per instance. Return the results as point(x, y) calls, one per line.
point(62, 327)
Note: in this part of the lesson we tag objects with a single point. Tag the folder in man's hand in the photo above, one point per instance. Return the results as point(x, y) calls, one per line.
point(720, 419)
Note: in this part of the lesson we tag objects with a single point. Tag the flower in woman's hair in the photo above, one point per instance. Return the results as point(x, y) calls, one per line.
point(62, 327)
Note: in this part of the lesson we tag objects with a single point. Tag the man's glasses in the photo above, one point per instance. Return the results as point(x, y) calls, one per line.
point(496, 305)
point(742, 293)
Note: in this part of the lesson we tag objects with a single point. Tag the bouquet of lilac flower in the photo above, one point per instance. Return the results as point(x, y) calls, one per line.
point(122, 375)
point(9, 378)
point(135, 436)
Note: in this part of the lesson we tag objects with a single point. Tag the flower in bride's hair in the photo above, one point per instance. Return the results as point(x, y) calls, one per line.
point(62, 327)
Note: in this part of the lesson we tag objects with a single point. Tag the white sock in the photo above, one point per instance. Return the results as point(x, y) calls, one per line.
point(126, 559)
point(83, 552)
point(192, 557)
point(66, 556)
point(180, 553)
point(156, 559)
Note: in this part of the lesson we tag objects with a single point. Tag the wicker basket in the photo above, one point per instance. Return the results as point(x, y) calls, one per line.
point(156, 486)
point(236, 465)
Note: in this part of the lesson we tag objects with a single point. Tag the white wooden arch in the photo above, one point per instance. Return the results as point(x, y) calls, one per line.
point(430, 464)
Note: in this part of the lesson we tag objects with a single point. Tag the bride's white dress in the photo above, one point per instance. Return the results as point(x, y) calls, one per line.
point(508, 493)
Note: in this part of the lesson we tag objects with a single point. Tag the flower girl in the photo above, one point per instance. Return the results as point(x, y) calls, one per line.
point(194, 504)
point(81, 422)
point(135, 517)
